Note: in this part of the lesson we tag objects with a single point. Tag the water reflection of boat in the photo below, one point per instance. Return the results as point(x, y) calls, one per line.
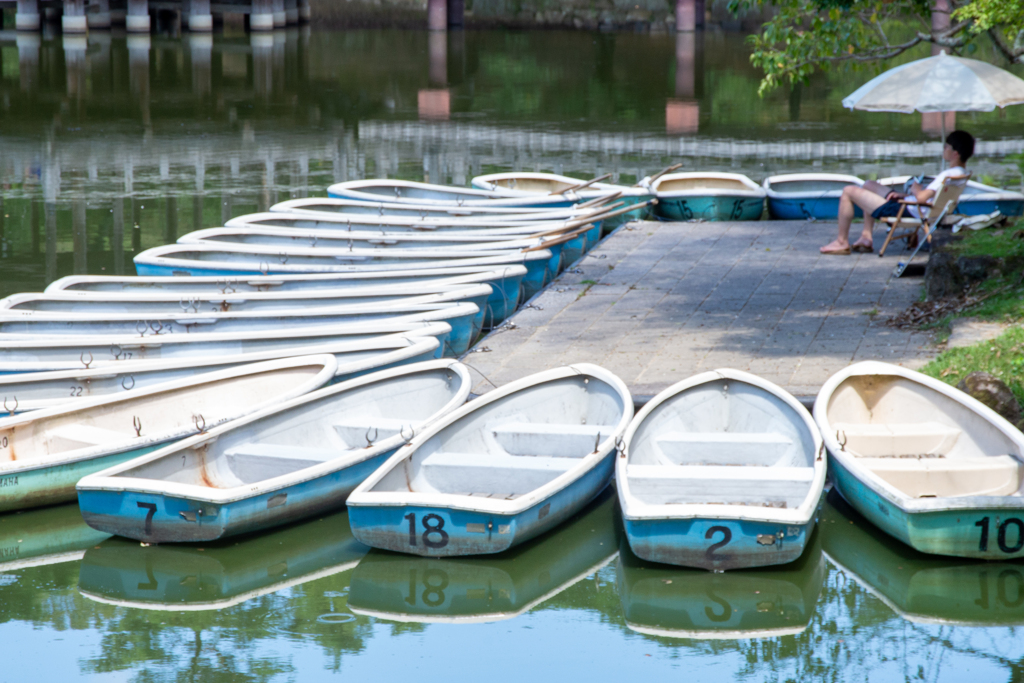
point(671, 602)
point(45, 536)
point(491, 588)
point(917, 586)
point(190, 578)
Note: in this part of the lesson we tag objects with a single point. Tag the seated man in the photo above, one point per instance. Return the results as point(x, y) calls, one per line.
point(958, 149)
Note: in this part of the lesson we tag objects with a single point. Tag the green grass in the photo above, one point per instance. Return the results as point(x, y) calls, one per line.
point(1002, 357)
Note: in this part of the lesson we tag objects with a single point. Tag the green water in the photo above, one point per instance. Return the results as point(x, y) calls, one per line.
point(309, 603)
point(110, 146)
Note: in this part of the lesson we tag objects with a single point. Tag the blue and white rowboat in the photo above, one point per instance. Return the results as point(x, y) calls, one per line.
point(44, 453)
point(707, 196)
point(805, 196)
point(412, 192)
point(502, 469)
point(722, 471)
point(977, 198)
point(924, 462)
point(290, 461)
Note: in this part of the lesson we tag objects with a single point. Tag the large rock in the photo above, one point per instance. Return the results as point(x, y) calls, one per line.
point(994, 393)
point(942, 278)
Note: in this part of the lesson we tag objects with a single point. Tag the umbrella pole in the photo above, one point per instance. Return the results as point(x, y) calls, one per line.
point(942, 141)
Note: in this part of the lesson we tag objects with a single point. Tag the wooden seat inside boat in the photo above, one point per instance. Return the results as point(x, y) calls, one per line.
point(356, 431)
point(722, 448)
point(534, 454)
point(558, 440)
point(70, 437)
point(253, 462)
point(683, 184)
point(936, 477)
point(784, 487)
point(897, 439)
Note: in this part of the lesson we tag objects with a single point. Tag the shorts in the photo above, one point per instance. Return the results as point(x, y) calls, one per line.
point(890, 208)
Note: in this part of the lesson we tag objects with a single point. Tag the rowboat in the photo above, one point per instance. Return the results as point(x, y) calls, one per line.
point(491, 210)
point(722, 471)
point(707, 196)
point(490, 588)
point(583, 235)
point(176, 578)
point(804, 196)
point(923, 589)
point(977, 198)
point(44, 453)
point(503, 469)
point(524, 184)
point(230, 260)
point(429, 194)
point(160, 306)
point(462, 317)
point(34, 354)
point(676, 602)
point(924, 462)
point(344, 242)
point(505, 282)
point(46, 536)
point(36, 390)
point(289, 461)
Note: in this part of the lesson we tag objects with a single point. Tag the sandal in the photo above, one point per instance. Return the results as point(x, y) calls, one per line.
point(863, 249)
point(837, 252)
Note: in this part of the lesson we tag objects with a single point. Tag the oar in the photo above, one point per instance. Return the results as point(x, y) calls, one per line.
point(570, 225)
point(599, 200)
point(580, 186)
point(565, 237)
point(667, 169)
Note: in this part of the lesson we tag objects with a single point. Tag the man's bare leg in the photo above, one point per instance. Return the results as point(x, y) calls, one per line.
point(852, 196)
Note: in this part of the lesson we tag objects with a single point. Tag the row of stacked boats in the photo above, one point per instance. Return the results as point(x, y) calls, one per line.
point(198, 401)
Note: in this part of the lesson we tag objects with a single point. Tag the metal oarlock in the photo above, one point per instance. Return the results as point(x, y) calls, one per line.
point(841, 440)
point(412, 433)
point(137, 424)
point(200, 422)
point(369, 441)
point(125, 385)
point(85, 362)
point(11, 410)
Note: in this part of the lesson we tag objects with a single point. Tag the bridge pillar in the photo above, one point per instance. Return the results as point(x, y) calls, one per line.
point(291, 11)
point(305, 14)
point(437, 15)
point(262, 16)
point(137, 19)
point(199, 16)
point(74, 20)
point(101, 17)
point(280, 16)
point(456, 10)
point(26, 18)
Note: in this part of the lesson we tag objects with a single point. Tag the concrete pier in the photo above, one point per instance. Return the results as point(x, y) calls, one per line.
point(200, 19)
point(262, 16)
point(137, 19)
point(26, 17)
point(74, 20)
point(658, 302)
point(100, 18)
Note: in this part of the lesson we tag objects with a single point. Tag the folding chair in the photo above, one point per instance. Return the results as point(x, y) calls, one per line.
point(944, 203)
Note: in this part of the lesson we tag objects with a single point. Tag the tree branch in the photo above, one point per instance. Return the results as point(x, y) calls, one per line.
point(1004, 47)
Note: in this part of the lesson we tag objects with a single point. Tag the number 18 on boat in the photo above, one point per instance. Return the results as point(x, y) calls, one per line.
point(503, 469)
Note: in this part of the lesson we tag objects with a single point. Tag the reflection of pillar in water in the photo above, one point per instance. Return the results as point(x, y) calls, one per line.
point(197, 198)
point(74, 20)
point(138, 72)
point(171, 226)
point(199, 17)
point(117, 239)
point(435, 102)
point(34, 223)
point(75, 68)
point(262, 64)
point(137, 19)
point(280, 47)
point(938, 123)
point(28, 60)
point(269, 182)
point(101, 17)
point(261, 17)
point(682, 113)
point(79, 236)
point(201, 45)
point(291, 11)
point(225, 207)
point(26, 18)
point(301, 188)
point(437, 15)
point(305, 14)
point(280, 16)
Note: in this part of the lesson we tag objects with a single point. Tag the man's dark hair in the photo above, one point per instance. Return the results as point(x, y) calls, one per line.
point(962, 143)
